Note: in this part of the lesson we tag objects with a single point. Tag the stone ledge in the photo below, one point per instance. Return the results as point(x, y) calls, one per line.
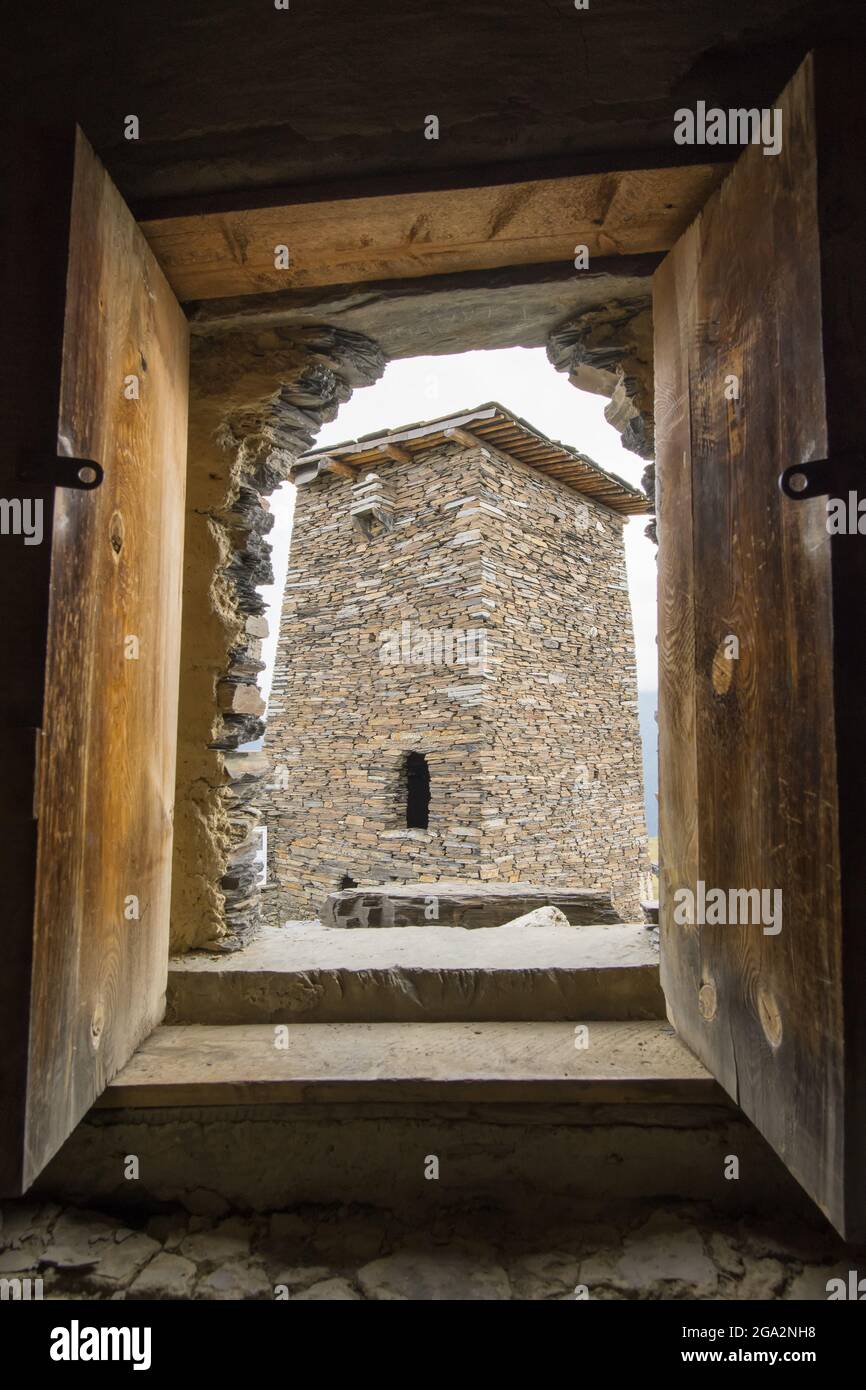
point(308, 973)
point(527, 1063)
point(460, 903)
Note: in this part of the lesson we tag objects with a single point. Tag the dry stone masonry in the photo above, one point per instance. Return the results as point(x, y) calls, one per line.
point(455, 692)
point(257, 401)
point(607, 350)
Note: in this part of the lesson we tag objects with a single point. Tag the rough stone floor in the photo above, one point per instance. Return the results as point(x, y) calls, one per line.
point(354, 1253)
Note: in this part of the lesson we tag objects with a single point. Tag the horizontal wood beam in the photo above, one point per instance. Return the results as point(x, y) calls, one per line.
point(397, 454)
point(475, 441)
point(461, 436)
point(630, 212)
point(332, 465)
point(628, 1063)
point(429, 179)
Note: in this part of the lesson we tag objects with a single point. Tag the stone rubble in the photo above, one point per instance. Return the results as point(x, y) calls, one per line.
point(464, 1253)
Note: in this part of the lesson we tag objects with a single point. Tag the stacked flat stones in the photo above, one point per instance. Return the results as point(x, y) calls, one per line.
point(530, 730)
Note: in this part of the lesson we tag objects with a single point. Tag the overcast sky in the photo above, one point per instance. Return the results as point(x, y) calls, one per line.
point(522, 380)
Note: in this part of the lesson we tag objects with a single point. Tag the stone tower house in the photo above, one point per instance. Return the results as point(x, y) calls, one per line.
point(455, 692)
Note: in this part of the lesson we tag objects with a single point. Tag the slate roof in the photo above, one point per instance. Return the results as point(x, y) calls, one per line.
point(488, 424)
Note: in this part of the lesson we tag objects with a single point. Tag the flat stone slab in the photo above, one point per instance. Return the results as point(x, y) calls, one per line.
point(623, 1063)
point(460, 904)
point(313, 973)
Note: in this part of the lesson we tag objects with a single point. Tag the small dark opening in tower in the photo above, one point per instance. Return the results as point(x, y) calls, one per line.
point(417, 791)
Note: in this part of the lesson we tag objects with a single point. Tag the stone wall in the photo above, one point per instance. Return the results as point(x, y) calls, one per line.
point(529, 723)
point(257, 401)
point(565, 805)
point(608, 350)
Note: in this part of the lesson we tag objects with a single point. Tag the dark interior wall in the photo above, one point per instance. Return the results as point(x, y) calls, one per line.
point(235, 95)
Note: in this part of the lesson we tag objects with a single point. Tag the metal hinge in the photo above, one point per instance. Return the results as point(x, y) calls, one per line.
point(39, 743)
point(59, 471)
point(834, 477)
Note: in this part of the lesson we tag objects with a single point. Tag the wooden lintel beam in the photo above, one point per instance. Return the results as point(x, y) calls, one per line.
point(396, 453)
point(343, 470)
point(538, 221)
point(461, 436)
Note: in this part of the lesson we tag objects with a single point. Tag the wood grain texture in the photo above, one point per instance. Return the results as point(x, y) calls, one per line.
point(674, 332)
point(841, 145)
point(213, 255)
point(109, 723)
point(525, 1062)
point(766, 1013)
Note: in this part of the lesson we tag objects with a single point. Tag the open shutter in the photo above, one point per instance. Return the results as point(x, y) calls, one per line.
point(92, 720)
point(762, 755)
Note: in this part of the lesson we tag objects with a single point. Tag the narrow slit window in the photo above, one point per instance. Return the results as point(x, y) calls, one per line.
point(417, 791)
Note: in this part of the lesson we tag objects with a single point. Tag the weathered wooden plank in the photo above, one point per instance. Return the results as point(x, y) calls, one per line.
point(524, 1062)
point(674, 331)
point(767, 1010)
point(841, 147)
point(110, 713)
point(214, 255)
point(767, 805)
